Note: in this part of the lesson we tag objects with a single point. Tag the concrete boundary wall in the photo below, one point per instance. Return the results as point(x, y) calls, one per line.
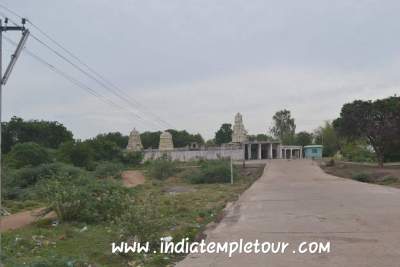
point(188, 155)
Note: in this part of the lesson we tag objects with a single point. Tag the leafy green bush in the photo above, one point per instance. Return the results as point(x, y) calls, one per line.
point(25, 154)
point(358, 152)
point(161, 168)
point(84, 199)
point(131, 158)
point(16, 181)
point(361, 177)
point(211, 171)
point(108, 169)
point(143, 222)
point(78, 153)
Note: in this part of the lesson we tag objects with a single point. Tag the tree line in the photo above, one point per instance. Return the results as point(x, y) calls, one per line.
point(364, 131)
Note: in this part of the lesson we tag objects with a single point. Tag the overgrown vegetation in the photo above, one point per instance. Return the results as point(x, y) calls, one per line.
point(161, 168)
point(108, 170)
point(377, 122)
point(27, 154)
point(211, 171)
point(367, 173)
point(84, 199)
point(93, 217)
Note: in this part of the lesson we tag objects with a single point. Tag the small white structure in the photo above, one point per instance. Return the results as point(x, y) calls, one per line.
point(166, 143)
point(239, 134)
point(134, 143)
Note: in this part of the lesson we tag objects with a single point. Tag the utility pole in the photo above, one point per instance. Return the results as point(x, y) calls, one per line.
point(231, 171)
point(4, 77)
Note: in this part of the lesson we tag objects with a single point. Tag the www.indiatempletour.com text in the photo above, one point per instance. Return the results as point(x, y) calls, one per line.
point(184, 246)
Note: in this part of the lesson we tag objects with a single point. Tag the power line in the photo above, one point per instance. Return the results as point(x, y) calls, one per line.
point(75, 81)
point(103, 81)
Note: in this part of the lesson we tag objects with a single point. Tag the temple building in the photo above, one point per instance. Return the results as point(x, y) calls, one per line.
point(239, 149)
point(166, 143)
point(239, 134)
point(134, 142)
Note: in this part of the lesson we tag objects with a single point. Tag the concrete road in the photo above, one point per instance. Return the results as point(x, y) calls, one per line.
point(295, 201)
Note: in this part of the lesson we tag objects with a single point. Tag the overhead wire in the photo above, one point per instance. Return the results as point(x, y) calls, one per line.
point(77, 82)
point(105, 83)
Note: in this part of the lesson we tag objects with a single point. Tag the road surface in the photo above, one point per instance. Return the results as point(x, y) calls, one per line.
point(295, 201)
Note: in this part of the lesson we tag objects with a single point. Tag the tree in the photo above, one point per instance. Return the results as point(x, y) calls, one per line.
point(377, 121)
point(45, 133)
point(326, 136)
point(104, 149)
point(150, 139)
point(25, 154)
point(179, 138)
point(116, 137)
point(224, 134)
point(303, 138)
point(78, 153)
point(183, 138)
point(283, 126)
point(260, 137)
point(210, 142)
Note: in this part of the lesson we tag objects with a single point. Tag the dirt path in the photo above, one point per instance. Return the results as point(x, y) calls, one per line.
point(295, 201)
point(132, 178)
point(21, 219)
point(24, 218)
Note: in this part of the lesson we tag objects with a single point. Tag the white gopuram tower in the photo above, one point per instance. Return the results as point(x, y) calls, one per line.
point(239, 134)
point(166, 143)
point(134, 143)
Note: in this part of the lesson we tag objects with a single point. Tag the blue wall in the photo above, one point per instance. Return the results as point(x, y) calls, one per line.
point(313, 152)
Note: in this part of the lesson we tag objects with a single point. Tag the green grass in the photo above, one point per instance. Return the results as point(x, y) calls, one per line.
point(186, 214)
point(14, 206)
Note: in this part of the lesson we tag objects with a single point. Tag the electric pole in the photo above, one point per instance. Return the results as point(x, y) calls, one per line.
point(4, 77)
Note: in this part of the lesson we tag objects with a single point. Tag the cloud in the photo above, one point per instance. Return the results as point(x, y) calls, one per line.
point(196, 63)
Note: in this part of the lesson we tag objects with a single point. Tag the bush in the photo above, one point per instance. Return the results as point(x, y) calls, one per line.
point(211, 171)
point(143, 222)
point(84, 199)
point(358, 152)
point(361, 177)
point(26, 154)
point(162, 168)
point(108, 169)
point(389, 180)
point(131, 158)
point(330, 163)
point(78, 153)
point(15, 181)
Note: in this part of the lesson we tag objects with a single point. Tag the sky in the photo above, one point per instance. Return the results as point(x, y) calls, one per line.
point(195, 63)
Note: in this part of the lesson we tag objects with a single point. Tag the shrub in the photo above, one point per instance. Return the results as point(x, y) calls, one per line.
point(84, 199)
point(16, 181)
point(26, 154)
point(212, 171)
point(389, 180)
point(143, 222)
point(108, 169)
point(132, 158)
point(361, 177)
point(330, 163)
point(78, 153)
point(358, 152)
point(162, 168)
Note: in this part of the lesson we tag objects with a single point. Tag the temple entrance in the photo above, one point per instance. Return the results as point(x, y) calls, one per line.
point(264, 151)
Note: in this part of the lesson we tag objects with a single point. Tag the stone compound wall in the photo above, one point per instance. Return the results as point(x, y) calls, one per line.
point(237, 153)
